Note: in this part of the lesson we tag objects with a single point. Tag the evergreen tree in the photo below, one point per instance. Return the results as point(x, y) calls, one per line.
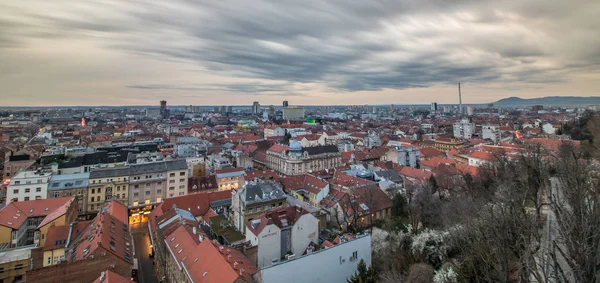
point(363, 274)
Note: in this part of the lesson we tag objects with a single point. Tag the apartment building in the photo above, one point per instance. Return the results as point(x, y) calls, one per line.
point(106, 184)
point(28, 185)
point(255, 198)
point(153, 182)
point(70, 185)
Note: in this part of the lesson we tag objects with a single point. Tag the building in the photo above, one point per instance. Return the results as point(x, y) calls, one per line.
point(191, 257)
point(14, 164)
point(103, 243)
point(20, 222)
point(230, 179)
point(106, 184)
point(255, 107)
point(447, 144)
point(470, 110)
point(331, 263)
point(28, 185)
point(282, 233)
point(293, 113)
point(407, 156)
point(14, 264)
point(285, 104)
point(464, 129)
point(308, 188)
point(491, 132)
point(434, 107)
point(296, 160)
point(70, 185)
point(255, 198)
point(111, 277)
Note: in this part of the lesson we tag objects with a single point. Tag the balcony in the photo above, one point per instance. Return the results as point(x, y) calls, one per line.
point(144, 180)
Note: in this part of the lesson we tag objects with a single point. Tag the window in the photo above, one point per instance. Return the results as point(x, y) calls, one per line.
point(17, 182)
point(99, 190)
point(18, 266)
point(181, 193)
point(38, 190)
point(272, 205)
point(158, 191)
point(136, 186)
point(135, 194)
point(27, 190)
point(147, 193)
point(181, 180)
point(26, 198)
point(49, 258)
point(250, 210)
point(15, 191)
point(147, 184)
point(92, 207)
point(92, 199)
point(118, 188)
point(182, 187)
point(182, 173)
point(123, 196)
point(172, 175)
point(93, 191)
point(171, 188)
point(171, 181)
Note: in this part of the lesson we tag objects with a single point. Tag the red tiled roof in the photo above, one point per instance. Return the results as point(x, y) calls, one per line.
point(60, 211)
point(436, 161)
point(428, 152)
point(414, 173)
point(207, 261)
point(268, 174)
point(111, 277)
point(98, 232)
point(290, 214)
point(307, 182)
point(15, 213)
point(278, 148)
point(345, 180)
point(482, 155)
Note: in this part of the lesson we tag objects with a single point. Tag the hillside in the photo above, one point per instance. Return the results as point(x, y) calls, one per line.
point(548, 101)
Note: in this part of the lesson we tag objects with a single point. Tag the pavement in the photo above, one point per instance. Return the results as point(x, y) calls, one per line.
point(141, 239)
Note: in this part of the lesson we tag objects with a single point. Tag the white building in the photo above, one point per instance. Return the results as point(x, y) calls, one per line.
point(407, 156)
point(332, 264)
point(293, 113)
point(177, 178)
point(28, 185)
point(280, 232)
point(464, 129)
point(491, 132)
point(549, 129)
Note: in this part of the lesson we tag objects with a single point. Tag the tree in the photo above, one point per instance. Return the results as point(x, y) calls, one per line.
point(420, 273)
point(399, 206)
point(363, 274)
point(287, 137)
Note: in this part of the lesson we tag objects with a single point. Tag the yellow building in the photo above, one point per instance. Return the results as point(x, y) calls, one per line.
point(104, 185)
point(14, 263)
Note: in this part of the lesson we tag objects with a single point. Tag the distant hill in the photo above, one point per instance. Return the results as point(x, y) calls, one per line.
point(548, 101)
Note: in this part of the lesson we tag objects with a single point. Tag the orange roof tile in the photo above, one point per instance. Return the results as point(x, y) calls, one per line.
point(15, 213)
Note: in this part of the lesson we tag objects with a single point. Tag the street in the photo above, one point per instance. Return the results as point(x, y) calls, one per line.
point(146, 270)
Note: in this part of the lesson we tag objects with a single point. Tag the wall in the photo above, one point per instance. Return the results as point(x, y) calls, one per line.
point(44, 230)
point(304, 231)
point(5, 235)
point(10, 272)
point(81, 271)
point(269, 245)
point(54, 255)
point(329, 265)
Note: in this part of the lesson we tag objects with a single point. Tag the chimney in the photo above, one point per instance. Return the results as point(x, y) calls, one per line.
point(200, 238)
point(459, 100)
point(241, 272)
point(194, 230)
point(102, 276)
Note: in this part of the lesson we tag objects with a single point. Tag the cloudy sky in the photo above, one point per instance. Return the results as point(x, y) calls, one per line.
point(233, 52)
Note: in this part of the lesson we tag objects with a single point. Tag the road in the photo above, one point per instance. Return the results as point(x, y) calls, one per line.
point(141, 239)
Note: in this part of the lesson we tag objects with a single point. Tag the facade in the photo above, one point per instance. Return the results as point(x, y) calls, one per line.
point(104, 184)
point(293, 113)
point(230, 179)
point(445, 145)
point(332, 264)
point(491, 132)
point(15, 164)
point(407, 156)
point(463, 129)
point(295, 160)
point(70, 185)
point(255, 198)
point(255, 107)
point(14, 264)
point(282, 232)
point(148, 183)
point(28, 185)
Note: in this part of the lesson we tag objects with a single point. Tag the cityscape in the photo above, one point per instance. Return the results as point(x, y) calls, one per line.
point(307, 142)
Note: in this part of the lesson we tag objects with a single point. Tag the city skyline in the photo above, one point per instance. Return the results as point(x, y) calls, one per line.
point(310, 53)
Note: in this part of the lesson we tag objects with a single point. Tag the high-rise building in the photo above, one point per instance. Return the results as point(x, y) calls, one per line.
point(229, 109)
point(293, 113)
point(434, 106)
point(223, 110)
point(470, 110)
point(285, 103)
point(392, 107)
point(464, 129)
point(163, 105)
point(256, 107)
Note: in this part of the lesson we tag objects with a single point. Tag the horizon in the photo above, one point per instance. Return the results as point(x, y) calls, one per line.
point(309, 53)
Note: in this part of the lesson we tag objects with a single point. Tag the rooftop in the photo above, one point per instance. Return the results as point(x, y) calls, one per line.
point(261, 191)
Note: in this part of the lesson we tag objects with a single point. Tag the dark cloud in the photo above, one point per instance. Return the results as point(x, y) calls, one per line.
point(345, 45)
